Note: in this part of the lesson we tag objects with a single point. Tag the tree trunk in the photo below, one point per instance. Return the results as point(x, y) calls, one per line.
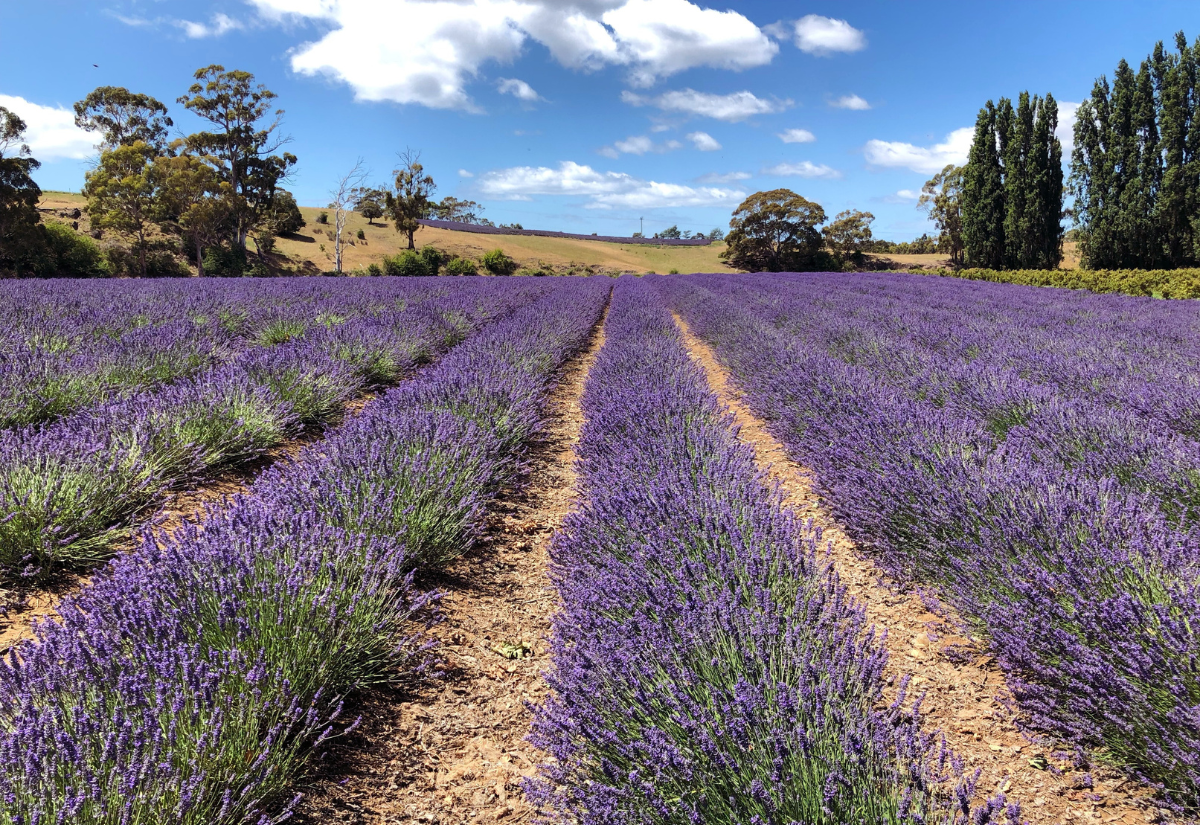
point(199, 259)
point(412, 244)
point(142, 250)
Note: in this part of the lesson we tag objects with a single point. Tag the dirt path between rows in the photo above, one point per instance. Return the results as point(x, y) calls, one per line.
point(176, 508)
point(965, 693)
point(455, 752)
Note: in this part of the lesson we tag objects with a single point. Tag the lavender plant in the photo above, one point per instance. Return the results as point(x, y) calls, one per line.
point(1031, 453)
point(193, 680)
point(707, 666)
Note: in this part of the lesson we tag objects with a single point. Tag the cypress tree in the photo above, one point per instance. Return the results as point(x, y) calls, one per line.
point(1048, 186)
point(983, 196)
point(1020, 240)
point(1175, 204)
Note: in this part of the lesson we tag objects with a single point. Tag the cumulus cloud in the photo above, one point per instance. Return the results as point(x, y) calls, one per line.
point(602, 190)
point(447, 43)
point(50, 131)
point(724, 177)
point(823, 36)
point(518, 89)
point(220, 24)
point(926, 160)
point(730, 108)
point(638, 145)
point(704, 141)
point(463, 173)
point(797, 136)
point(850, 102)
point(1066, 126)
point(804, 169)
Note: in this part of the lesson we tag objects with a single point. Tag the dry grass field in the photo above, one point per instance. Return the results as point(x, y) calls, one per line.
point(304, 253)
point(527, 250)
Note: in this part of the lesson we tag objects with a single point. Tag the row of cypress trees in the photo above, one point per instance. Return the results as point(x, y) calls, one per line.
point(1013, 187)
point(1135, 170)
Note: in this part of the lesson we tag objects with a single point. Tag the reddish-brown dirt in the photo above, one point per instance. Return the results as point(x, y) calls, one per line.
point(965, 693)
point(455, 751)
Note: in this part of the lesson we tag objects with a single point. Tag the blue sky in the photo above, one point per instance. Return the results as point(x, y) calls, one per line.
point(586, 115)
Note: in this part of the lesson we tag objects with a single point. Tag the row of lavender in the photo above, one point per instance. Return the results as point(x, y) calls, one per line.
point(69, 345)
point(459, 226)
point(707, 666)
point(194, 679)
point(1051, 497)
point(67, 487)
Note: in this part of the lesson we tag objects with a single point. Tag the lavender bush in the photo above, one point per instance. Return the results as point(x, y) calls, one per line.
point(707, 666)
point(193, 679)
point(1032, 453)
point(63, 485)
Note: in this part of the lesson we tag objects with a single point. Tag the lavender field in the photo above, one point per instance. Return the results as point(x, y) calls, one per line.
point(1027, 458)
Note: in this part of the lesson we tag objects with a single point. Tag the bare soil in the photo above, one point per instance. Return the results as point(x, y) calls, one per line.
point(455, 751)
point(965, 693)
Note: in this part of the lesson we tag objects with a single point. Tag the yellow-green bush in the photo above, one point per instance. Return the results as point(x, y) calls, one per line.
point(1159, 283)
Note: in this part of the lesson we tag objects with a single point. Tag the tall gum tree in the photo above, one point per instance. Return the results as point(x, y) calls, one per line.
point(244, 141)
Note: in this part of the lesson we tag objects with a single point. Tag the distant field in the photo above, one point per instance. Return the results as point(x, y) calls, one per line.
point(304, 252)
point(560, 253)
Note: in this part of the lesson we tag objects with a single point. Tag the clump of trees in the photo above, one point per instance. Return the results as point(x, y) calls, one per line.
point(1135, 169)
point(777, 231)
point(1012, 187)
point(209, 191)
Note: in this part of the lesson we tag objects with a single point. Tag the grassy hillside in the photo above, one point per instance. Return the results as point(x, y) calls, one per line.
point(530, 251)
point(302, 252)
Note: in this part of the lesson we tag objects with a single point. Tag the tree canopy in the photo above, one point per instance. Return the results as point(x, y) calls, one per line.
point(20, 237)
point(408, 203)
point(244, 141)
point(774, 231)
point(123, 118)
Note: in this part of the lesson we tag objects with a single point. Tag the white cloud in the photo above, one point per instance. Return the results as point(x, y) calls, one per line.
point(850, 102)
point(221, 24)
point(902, 196)
point(603, 190)
point(927, 160)
point(518, 89)
point(445, 44)
point(731, 107)
point(704, 141)
point(804, 169)
point(1066, 126)
point(724, 177)
point(797, 136)
point(822, 36)
point(463, 173)
point(50, 131)
point(638, 145)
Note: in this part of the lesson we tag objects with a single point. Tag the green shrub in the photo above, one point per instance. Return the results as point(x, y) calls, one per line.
point(362, 236)
point(461, 266)
point(407, 264)
point(225, 262)
point(433, 258)
point(497, 263)
point(323, 217)
point(374, 269)
point(69, 254)
point(672, 271)
point(1158, 283)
